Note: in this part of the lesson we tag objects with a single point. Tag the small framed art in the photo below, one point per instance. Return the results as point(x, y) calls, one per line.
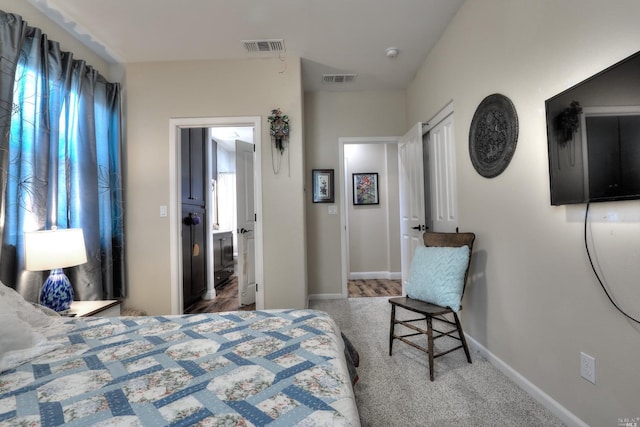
point(365, 189)
point(323, 186)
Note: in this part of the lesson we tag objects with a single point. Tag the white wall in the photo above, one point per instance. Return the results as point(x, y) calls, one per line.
point(534, 301)
point(329, 116)
point(371, 226)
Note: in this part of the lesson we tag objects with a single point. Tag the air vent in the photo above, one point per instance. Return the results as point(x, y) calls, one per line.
point(264, 46)
point(338, 78)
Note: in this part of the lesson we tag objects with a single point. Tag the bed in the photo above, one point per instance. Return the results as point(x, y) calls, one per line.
point(242, 368)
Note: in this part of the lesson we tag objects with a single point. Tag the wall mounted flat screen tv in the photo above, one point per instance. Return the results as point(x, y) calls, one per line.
point(593, 137)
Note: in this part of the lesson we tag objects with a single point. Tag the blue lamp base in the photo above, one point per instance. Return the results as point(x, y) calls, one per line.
point(57, 292)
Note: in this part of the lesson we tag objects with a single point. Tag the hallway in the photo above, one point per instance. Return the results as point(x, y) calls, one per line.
point(227, 298)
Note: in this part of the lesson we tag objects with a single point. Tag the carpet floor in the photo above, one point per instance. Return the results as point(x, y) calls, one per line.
point(396, 391)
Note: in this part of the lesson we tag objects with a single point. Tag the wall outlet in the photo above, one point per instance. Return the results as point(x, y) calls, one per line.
point(588, 367)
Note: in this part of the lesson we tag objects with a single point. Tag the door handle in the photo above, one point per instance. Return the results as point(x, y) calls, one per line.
point(244, 230)
point(192, 219)
point(419, 227)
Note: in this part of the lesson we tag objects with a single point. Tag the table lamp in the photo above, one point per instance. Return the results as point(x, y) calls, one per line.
point(54, 250)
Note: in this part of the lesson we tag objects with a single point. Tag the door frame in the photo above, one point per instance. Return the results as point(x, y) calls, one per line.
point(175, 199)
point(344, 200)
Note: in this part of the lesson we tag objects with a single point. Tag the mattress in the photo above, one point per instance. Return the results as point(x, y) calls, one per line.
point(243, 368)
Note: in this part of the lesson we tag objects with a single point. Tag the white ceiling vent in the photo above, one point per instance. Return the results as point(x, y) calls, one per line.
point(338, 78)
point(264, 46)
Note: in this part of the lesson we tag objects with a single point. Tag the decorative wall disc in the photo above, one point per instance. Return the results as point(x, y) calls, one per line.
point(493, 135)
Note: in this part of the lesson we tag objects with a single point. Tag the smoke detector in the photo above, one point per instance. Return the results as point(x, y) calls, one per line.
point(391, 52)
point(264, 46)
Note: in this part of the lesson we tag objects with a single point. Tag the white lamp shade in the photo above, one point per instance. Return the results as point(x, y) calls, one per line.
point(46, 250)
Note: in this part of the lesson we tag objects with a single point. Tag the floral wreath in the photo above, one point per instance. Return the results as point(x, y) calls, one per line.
point(568, 121)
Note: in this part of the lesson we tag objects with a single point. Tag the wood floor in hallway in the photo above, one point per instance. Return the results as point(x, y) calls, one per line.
point(227, 295)
point(226, 300)
point(374, 288)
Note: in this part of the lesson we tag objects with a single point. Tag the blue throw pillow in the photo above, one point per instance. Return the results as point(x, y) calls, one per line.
point(437, 275)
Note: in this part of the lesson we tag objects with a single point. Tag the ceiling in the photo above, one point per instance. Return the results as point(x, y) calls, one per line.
point(226, 137)
point(331, 36)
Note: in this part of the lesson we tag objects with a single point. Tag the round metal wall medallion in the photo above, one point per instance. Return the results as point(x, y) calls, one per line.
point(493, 135)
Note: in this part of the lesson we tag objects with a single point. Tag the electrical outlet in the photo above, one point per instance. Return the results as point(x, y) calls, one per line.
point(588, 367)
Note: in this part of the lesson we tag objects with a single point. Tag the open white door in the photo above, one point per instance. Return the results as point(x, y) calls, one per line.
point(444, 194)
point(246, 223)
point(411, 182)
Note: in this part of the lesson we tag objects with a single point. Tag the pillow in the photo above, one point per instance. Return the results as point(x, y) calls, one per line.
point(12, 302)
point(21, 334)
point(437, 275)
point(20, 343)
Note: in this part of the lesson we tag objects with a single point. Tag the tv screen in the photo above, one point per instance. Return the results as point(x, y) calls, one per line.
point(593, 137)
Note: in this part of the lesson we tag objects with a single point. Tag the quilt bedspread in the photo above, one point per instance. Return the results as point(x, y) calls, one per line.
point(242, 368)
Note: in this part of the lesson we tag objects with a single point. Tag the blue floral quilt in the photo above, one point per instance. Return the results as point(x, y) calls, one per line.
point(243, 368)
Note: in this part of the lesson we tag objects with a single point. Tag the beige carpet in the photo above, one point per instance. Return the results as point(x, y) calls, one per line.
point(396, 391)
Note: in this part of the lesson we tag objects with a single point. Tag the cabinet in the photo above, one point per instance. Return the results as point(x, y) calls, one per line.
point(194, 258)
point(193, 155)
point(194, 218)
point(223, 256)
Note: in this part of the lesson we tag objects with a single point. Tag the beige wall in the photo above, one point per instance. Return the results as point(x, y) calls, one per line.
point(35, 18)
point(393, 215)
point(372, 226)
point(329, 116)
point(154, 93)
point(534, 301)
point(158, 92)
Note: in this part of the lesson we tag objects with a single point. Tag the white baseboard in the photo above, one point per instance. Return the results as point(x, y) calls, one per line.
point(543, 398)
point(364, 275)
point(325, 296)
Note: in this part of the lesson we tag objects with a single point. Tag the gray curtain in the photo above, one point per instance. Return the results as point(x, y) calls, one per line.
point(60, 160)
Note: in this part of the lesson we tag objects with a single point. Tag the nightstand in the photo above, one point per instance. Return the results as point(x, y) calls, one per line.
point(105, 308)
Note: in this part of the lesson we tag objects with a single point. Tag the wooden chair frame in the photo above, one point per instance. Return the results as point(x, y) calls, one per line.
point(433, 312)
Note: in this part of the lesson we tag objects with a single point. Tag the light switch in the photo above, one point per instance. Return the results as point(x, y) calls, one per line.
point(163, 211)
point(333, 210)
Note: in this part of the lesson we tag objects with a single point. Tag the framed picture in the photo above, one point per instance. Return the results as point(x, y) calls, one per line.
point(365, 189)
point(322, 186)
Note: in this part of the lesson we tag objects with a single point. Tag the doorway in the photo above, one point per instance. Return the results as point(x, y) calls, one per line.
point(433, 174)
point(369, 232)
point(175, 201)
point(231, 214)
